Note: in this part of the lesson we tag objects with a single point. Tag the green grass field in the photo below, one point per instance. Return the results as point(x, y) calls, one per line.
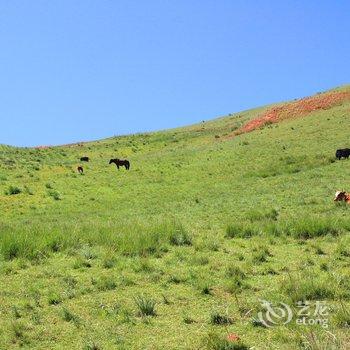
point(178, 252)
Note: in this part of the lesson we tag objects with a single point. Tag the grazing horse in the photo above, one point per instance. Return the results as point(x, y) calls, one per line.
point(342, 153)
point(120, 162)
point(80, 169)
point(84, 159)
point(342, 196)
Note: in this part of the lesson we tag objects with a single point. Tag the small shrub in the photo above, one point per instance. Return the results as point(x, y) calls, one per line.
point(259, 257)
point(236, 285)
point(180, 237)
point(271, 214)
point(236, 281)
point(68, 316)
point(300, 288)
point(55, 195)
point(175, 279)
point(54, 244)
point(233, 230)
point(213, 245)
point(70, 281)
point(126, 281)
point(108, 263)
point(343, 248)
point(201, 260)
point(126, 316)
point(18, 330)
point(257, 323)
point(36, 318)
point(10, 249)
point(88, 253)
point(218, 319)
point(80, 263)
point(243, 230)
point(16, 312)
point(205, 289)
point(306, 228)
point(344, 251)
point(322, 341)
point(166, 300)
point(188, 320)
point(342, 317)
point(91, 345)
point(150, 240)
point(324, 266)
point(13, 190)
point(235, 271)
point(344, 286)
point(54, 299)
point(146, 306)
point(319, 250)
point(143, 265)
point(28, 191)
point(269, 271)
point(106, 283)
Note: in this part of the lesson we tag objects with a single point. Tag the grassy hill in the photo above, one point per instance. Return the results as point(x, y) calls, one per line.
point(177, 252)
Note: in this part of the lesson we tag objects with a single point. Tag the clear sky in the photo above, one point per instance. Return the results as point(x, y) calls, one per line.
point(81, 70)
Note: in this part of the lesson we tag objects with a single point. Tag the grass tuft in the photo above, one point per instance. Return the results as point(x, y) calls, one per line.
point(69, 316)
point(311, 287)
point(13, 190)
point(180, 237)
point(217, 318)
point(145, 306)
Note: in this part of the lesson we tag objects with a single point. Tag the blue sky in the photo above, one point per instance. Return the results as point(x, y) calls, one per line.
point(82, 70)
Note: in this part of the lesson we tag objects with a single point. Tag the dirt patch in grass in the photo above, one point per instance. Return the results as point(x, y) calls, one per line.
point(295, 109)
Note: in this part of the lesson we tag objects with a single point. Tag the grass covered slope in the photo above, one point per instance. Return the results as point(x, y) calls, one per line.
point(177, 252)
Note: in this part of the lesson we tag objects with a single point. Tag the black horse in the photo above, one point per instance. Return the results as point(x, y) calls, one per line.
point(342, 153)
point(120, 162)
point(84, 159)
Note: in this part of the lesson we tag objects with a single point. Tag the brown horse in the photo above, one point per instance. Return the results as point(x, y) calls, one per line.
point(80, 169)
point(120, 162)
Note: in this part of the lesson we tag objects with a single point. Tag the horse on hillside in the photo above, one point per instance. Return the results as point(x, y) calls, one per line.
point(120, 162)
